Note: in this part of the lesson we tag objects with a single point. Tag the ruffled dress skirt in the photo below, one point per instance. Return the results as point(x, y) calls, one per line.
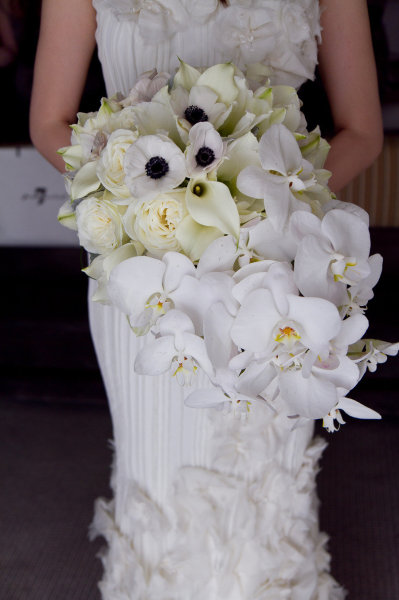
point(208, 504)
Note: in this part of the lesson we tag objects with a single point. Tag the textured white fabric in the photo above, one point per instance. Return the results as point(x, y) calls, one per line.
point(133, 36)
point(207, 505)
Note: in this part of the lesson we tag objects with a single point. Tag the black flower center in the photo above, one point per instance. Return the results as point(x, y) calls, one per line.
point(156, 167)
point(205, 156)
point(195, 114)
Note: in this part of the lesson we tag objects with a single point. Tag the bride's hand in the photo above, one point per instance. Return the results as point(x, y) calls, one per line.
point(348, 71)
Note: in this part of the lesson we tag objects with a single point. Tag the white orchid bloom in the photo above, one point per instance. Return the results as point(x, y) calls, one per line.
point(195, 296)
point(206, 149)
point(230, 386)
point(153, 164)
point(222, 254)
point(177, 348)
point(275, 321)
point(360, 293)
point(267, 242)
point(313, 396)
point(144, 287)
point(352, 408)
point(284, 172)
point(332, 254)
point(369, 353)
point(348, 207)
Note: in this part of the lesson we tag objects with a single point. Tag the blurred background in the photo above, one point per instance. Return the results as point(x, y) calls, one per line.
point(55, 427)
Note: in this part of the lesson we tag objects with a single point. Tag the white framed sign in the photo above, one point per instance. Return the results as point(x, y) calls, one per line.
point(31, 193)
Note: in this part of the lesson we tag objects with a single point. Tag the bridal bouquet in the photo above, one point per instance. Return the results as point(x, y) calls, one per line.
point(205, 208)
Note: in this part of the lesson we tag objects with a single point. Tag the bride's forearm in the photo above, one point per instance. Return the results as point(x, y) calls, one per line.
point(351, 152)
point(48, 138)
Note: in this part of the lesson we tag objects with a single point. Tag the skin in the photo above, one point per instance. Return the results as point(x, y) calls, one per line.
point(346, 63)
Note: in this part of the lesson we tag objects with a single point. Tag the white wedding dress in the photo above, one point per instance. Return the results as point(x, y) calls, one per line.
point(207, 505)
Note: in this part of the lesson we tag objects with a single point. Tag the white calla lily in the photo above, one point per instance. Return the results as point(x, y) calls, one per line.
point(85, 182)
point(210, 203)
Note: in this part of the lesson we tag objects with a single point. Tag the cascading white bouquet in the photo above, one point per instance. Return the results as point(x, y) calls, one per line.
point(206, 211)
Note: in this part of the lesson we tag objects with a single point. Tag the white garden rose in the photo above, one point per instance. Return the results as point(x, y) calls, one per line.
point(110, 164)
point(100, 227)
point(154, 222)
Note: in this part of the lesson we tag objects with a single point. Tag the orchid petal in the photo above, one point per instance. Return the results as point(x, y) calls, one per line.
point(319, 319)
point(219, 256)
point(217, 326)
point(349, 235)
point(195, 347)
point(255, 321)
point(309, 397)
point(177, 266)
point(133, 281)
point(356, 409)
point(271, 244)
point(252, 182)
point(206, 398)
point(352, 330)
point(156, 357)
point(175, 321)
point(279, 150)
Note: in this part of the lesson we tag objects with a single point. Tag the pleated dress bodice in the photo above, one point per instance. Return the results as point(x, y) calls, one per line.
point(134, 36)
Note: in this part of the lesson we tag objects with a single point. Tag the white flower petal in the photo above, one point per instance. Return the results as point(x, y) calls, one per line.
point(156, 357)
point(217, 326)
point(133, 281)
point(357, 410)
point(205, 398)
point(177, 266)
point(279, 150)
point(309, 397)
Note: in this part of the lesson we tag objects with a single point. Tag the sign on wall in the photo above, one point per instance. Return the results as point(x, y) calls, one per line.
point(31, 192)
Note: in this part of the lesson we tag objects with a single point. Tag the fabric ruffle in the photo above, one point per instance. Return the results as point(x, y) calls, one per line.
point(247, 528)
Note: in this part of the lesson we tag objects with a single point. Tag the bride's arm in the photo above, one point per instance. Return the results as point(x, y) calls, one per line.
point(63, 56)
point(348, 71)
